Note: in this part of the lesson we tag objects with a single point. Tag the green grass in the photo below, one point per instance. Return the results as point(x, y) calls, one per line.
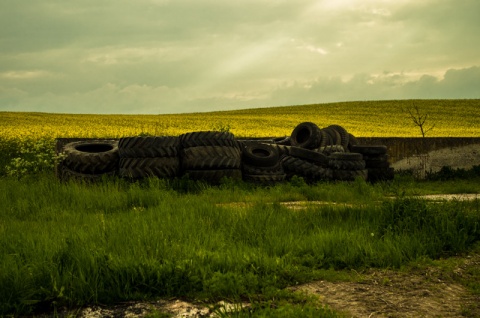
point(74, 244)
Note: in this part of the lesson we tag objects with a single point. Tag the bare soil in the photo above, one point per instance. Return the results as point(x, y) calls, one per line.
point(428, 292)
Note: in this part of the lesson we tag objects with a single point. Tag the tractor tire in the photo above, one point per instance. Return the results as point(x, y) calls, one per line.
point(306, 135)
point(260, 155)
point(138, 168)
point(309, 155)
point(344, 136)
point(211, 157)
point(208, 138)
point(148, 147)
point(347, 164)
point(92, 157)
point(303, 168)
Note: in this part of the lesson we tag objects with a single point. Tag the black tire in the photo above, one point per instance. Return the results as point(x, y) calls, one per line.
point(306, 135)
point(284, 141)
point(334, 136)
point(344, 136)
point(67, 174)
point(349, 156)
point(377, 163)
point(214, 176)
point(347, 164)
point(260, 154)
point(92, 157)
point(148, 147)
point(211, 157)
point(352, 141)
point(369, 150)
point(328, 150)
point(303, 168)
point(266, 179)
point(309, 155)
point(208, 138)
point(282, 150)
point(349, 175)
point(137, 168)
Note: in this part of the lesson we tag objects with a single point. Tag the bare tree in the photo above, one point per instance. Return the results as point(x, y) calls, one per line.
point(419, 119)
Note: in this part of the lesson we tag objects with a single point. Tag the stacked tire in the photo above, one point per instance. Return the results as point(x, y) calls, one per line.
point(308, 164)
point(210, 156)
point(89, 160)
point(261, 162)
point(347, 166)
point(376, 162)
point(150, 156)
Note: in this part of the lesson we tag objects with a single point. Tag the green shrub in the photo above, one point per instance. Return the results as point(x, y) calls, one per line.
point(29, 156)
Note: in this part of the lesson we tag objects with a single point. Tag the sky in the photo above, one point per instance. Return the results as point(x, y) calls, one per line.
point(182, 56)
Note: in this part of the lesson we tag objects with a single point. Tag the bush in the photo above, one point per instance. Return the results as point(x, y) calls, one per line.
point(29, 156)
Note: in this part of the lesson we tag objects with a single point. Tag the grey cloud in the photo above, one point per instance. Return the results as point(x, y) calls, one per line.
point(196, 55)
point(462, 83)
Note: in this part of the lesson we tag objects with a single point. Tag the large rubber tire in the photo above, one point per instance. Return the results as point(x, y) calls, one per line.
point(92, 157)
point(137, 168)
point(284, 141)
point(349, 175)
point(309, 155)
point(148, 147)
point(328, 150)
point(347, 164)
point(303, 168)
point(349, 156)
point(352, 141)
point(369, 150)
point(214, 176)
point(208, 138)
point(380, 161)
point(334, 136)
point(306, 135)
point(344, 136)
point(282, 149)
point(211, 157)
point(260, 154)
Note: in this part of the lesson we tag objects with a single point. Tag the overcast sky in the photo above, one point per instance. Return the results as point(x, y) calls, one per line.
point(174, 56)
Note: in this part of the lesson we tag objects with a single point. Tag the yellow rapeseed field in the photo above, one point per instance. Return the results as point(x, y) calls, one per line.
point(452, 118)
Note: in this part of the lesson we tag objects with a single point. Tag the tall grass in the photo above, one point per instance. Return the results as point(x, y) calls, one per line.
point(73, 244)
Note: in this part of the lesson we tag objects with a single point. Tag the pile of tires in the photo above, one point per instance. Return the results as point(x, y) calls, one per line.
point(310, 152)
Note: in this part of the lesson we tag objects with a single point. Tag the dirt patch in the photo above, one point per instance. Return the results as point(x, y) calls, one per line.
point(425, 292)
point(392, 294)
